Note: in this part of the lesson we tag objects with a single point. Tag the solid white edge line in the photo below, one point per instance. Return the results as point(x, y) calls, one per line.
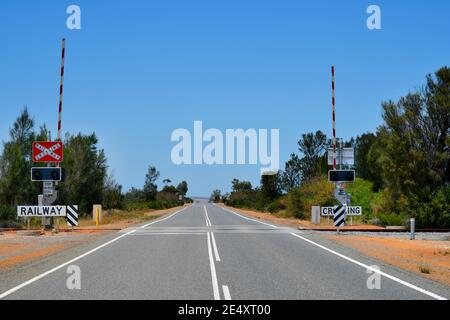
point(42, 275)
point(226, 293)
point(407, 284)
point(168, 217)
point(246, 218)
point(216, 252)
point(213, 271)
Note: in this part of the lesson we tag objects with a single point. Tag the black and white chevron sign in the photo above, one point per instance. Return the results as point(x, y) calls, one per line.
point(339, 216)
point(72, 216)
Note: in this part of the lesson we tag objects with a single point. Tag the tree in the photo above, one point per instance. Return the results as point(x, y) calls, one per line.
point(150, 187)
point(414, 151)
point(15, 163)
point(292, 175)
point(364, 163)
point(240, 186)
point(112, 193)
point(313, 147)
point(215, 196)
point(86, 172)
point(183, 188)
point(270, 187)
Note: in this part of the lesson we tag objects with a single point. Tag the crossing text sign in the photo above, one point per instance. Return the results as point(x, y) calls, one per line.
point(48, 151)
point(41, 211)
point(351, 211)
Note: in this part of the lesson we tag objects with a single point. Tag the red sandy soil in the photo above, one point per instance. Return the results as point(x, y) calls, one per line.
point(418, 256)
point(16, 250)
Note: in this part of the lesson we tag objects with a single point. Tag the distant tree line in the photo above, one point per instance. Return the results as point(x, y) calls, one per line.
point(87, 180)
point(403, 168)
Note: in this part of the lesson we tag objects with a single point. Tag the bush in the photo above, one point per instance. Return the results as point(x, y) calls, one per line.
point(392, 219)
point(436, 212)
point(7, 213)
point(363, 196)
point(276, 206)
point(317, 192)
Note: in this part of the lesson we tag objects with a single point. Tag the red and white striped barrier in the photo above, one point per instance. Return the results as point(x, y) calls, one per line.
point(61, 88)
point(334, 118)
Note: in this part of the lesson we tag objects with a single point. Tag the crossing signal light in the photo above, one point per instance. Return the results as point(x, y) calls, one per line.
point(46, 174)
point(341, 176)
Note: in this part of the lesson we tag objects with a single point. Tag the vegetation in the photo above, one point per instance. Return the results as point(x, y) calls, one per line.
point(87, 181)
point(403, 168)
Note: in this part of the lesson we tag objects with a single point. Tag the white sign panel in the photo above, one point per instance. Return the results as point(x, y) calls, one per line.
point(351, 211)
point(345, 156)
point(48, 188)
point(41, 211)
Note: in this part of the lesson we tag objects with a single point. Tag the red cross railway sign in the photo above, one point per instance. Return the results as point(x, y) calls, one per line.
point(48, 151)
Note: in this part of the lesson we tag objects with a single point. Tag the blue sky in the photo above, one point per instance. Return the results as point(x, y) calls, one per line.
point(137, 70)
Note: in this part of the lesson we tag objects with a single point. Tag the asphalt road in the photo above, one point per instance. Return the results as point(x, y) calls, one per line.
point(207, 252)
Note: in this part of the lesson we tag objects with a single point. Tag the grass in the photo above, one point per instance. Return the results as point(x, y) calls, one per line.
point(425, 269)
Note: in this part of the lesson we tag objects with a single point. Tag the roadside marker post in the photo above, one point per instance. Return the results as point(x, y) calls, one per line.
point(412, 229)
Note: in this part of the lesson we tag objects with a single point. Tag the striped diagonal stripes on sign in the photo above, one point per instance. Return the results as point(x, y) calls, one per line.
point(72, 215)
point(49, 151)
point(339, 216)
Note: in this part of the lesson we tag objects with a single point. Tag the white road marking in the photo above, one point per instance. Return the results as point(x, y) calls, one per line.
point(168, 217)
point(246, 218)
point(226, 293)
point(213, 271)
point(26, 283)
point(42, 275)
point(207, 217)
point(407, 284)
point(216, 252)
point(167, 233)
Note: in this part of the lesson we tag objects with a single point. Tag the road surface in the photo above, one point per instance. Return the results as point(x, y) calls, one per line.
point(208, 252)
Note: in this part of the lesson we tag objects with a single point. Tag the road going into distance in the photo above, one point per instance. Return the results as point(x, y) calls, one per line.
point(207, 252)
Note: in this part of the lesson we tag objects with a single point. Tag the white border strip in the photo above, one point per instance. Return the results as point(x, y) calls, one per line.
point(20, 286)
point(42, 275)
point(216, 252)
point(407, 284)
point(226, 293)
point(215, 283)
point(246, 218)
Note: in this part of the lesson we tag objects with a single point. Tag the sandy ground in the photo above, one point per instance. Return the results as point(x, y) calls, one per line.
point(430, 259)
point(18, 249)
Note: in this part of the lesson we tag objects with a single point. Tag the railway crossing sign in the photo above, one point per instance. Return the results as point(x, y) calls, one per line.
point(48, 151)
point(339, 216)
point(72, 216)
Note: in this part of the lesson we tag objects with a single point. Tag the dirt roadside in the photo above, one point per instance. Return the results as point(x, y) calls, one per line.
point(427, 258)
point(16, 249)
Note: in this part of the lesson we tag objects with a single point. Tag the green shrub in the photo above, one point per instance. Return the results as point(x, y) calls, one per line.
point(7, 213)
point(392, 219)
